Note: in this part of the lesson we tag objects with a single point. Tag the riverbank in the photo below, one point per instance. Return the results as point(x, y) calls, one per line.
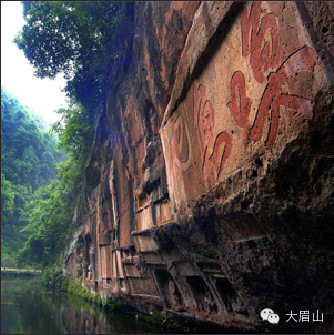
point(27, 307)
point(20, 272)
point(170, 321)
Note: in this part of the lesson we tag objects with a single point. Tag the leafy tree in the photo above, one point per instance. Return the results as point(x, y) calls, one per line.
point(78, 38)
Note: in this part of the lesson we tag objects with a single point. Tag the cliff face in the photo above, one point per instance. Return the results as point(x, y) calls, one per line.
point(209, 190)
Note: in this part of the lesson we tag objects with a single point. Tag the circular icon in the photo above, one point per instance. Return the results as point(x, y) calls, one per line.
point(265, 313)
point(273, 318)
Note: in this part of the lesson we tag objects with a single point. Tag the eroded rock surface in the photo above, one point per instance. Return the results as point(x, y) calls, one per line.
point(210, 187)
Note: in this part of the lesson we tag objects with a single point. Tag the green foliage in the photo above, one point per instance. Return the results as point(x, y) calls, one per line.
point(55, 279)
point(61, 282)
point(111, 304)
point(76, 288)
point(51, 211)
point(7, 196)
point(28, 161)
point(78, 268)
point(74, 132)
point(51, 208)
point(79, 38)
point(28, 154)
point(82, 39)
point(49, 224)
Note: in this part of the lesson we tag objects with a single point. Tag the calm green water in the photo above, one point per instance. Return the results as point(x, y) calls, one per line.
point(28, 308)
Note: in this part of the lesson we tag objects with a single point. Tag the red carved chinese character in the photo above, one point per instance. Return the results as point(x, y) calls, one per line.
point(204, 120)
point(220, 139)
point(253, 21)
point(204, 116)
point(180, 145)
point(301, 61)
point(210, 171)
point(240, 113)
point(265, 57)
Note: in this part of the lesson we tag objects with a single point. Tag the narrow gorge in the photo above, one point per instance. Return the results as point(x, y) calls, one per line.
point(209, 187)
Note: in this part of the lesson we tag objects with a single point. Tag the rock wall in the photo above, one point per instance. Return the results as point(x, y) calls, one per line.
point(210, 187)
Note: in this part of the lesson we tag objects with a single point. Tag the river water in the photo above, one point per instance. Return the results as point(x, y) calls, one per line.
point(29, 308)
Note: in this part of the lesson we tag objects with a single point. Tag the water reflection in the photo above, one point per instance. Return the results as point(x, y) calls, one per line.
point(27, 308)
point(84, 320)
